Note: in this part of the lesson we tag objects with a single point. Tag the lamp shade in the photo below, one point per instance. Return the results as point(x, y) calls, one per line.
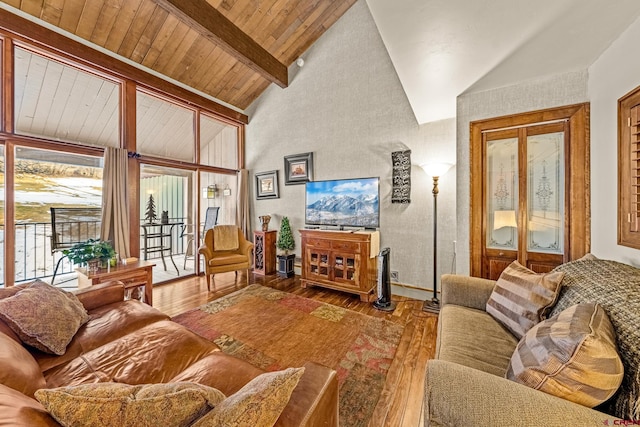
point(436, 169)
point(504, 219)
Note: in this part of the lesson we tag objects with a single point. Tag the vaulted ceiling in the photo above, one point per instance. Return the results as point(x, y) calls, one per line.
point(228, 49)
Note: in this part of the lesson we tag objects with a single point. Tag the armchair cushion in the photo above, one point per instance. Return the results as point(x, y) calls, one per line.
point(225, 238)
point(227, 259)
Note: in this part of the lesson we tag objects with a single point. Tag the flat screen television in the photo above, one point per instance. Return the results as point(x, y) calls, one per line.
point(343, 202)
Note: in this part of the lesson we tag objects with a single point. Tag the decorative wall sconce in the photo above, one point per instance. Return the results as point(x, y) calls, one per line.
point(209, 192)
point(226, 191)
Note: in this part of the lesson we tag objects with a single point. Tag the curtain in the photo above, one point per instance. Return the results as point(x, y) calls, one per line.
point(115, 200)
point(242, 211)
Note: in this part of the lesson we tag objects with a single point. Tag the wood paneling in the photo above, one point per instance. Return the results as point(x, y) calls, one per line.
point(267, 36)
point(401, 401)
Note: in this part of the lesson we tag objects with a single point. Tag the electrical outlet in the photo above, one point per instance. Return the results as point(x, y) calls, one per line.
point(455, 247)
point(394, 276)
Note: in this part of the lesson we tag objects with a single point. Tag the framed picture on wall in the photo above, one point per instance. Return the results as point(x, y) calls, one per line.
point(298, 168)
point(267, 185)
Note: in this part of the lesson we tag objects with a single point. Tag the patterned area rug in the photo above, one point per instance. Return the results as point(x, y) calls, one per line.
point(275, 330)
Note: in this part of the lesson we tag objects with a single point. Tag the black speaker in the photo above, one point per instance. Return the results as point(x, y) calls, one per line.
point(384, 302)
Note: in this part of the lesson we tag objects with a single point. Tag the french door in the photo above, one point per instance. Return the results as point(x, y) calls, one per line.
point(529, 191)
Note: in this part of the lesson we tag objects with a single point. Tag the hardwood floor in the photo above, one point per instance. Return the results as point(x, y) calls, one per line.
point(401, 400)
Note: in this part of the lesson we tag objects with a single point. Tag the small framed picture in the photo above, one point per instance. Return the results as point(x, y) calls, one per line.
point(298, 168)
point(267, 185)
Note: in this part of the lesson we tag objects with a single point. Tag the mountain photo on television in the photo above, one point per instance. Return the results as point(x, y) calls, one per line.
point(344, 202)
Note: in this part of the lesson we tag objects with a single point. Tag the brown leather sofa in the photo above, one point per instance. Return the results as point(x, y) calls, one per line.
point(131, 342)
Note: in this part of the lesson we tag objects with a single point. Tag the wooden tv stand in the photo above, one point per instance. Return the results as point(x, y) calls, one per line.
point(341, 260)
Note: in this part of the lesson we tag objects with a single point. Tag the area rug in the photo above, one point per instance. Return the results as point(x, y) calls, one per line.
point(274, 330)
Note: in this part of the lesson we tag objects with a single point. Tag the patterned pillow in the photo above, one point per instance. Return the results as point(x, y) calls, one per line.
point(44, 317)
point(258, 403)
point(521, 297)
point(572, 356)
point(123, 405)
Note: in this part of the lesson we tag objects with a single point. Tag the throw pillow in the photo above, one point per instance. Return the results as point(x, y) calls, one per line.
point(258, 403)
point(572, 356)
point(521, 297)
point(123, 405)
point(44, 317)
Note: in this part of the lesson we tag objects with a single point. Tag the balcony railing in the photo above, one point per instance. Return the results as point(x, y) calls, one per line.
point(34, 259)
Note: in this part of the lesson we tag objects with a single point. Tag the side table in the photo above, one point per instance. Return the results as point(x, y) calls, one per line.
point(138, 275)
point(264, 252)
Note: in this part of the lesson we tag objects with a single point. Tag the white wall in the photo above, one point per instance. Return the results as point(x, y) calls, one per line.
point(545, 92)
point(347, 106)
point(612, 76)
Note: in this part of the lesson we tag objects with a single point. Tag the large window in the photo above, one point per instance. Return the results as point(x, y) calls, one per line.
point(164, 129)
point(57, 101)
point(218, 143)
point(46, 179)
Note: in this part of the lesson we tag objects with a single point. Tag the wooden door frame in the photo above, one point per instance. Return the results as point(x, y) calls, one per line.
point(577, 167)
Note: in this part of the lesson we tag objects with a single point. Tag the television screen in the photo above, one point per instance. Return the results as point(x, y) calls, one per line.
point(343, 202)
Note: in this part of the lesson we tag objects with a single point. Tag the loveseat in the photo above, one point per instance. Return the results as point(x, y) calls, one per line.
point(130, 342)
point(465, 384)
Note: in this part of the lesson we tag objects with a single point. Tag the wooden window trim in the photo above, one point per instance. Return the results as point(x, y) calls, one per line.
point(628, 168)
point(578, 189)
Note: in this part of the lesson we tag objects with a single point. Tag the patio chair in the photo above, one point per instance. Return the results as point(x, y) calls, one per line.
point(210, 220)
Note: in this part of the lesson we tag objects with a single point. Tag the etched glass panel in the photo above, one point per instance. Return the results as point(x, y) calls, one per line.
point(545, 193)
point(502, 194)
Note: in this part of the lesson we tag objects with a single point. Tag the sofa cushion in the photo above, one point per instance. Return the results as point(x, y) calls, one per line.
point(473, 338)
point(106, 323)
point(152, 354)
point(259, 403)
point(19, 410)
point(616, 287)
point(114, 404)
point(43, 316)
point(521, 298)
point(18, 368)
point(572, 355)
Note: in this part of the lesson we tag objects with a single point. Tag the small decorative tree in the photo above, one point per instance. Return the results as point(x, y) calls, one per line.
point(285, 243)
point(150, 214)
point(285, 238)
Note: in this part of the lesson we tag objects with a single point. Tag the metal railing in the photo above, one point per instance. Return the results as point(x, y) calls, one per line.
point(34, 259)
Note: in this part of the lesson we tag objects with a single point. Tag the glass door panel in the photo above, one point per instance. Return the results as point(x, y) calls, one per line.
point(221, 191)
point(166, 217)
point(502, 194)
point(545, 193)
point(47, 179)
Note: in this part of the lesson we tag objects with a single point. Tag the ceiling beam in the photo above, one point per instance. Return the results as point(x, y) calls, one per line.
point(216, 27)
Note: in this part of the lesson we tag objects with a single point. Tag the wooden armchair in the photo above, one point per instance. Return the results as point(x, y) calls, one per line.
point(225, 249)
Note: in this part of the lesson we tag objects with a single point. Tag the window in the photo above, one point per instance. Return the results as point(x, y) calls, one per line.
point(57, 101)
point(218, 143)
point(629, 169)
point(164, 129)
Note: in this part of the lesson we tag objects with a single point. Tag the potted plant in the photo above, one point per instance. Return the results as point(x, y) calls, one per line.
point(91, 252)
point(285, 243)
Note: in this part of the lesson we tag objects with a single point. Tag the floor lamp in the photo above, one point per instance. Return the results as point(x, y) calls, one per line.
point(435, 170)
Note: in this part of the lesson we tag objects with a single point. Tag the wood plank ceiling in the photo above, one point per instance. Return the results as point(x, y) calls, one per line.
point(160, 35)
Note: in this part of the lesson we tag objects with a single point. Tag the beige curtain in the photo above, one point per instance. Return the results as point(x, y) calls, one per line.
point(115, 200)
point(242, 211)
